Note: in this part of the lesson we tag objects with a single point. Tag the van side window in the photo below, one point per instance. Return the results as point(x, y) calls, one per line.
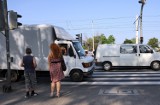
point(71, 53)
point(145, 49)
point(128, 49)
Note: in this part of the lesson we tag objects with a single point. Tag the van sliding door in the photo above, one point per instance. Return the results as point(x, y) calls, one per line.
point(128, 55)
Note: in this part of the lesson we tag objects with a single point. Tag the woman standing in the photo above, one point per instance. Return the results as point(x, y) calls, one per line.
point(29, 64)
point(56, 73)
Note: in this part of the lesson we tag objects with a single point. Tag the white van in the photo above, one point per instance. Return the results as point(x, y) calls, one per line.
point(127, 55)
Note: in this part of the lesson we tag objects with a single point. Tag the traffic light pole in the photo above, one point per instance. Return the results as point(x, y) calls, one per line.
point(7, 87)
point(81, 38)
point(1, 16)
point(141, 34)
point(141, 31)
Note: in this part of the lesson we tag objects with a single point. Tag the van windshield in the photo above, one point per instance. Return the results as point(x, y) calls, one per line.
point(79, 49)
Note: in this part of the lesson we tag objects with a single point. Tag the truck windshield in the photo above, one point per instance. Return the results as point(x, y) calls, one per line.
point(79, 49)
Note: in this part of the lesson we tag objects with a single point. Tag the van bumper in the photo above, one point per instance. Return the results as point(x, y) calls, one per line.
point(89, 72)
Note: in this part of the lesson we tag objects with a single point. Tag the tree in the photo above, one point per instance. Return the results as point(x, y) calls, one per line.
point(99, 39)
point(130, 41)
point(111, 40)
point(102, 39)
point(127, 41)
point(89, 44)
point(133, 40)
point(153, 42)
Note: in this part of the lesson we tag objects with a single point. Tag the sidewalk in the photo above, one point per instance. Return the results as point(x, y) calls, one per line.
point(84, 95)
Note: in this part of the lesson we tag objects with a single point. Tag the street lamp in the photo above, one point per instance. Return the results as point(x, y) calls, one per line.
point(141, 34)
point(93, 35)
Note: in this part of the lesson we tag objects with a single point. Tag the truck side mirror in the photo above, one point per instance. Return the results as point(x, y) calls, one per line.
point(149, 51)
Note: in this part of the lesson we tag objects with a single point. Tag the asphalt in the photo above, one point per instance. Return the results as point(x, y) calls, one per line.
point(83, 95)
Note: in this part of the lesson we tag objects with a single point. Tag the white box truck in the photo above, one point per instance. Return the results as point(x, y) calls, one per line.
point(39, 38)
point(127, 55)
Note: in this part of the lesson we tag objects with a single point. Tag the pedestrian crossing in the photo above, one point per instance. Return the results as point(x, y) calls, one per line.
point(119, 78)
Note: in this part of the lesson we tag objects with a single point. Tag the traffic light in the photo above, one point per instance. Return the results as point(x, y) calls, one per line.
point(79, 37)
point(13, 20)
point(142, 1)
point(141, 40)
point(2, 20)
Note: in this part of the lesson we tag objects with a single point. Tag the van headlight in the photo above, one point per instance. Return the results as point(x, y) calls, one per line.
point(85, 65)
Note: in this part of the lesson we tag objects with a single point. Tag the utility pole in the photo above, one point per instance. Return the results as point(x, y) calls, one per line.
point(137, 21)
point(8, 85)
point(141, 12)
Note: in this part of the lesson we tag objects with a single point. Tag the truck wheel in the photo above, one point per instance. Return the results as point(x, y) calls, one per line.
point(107, 66)
point(14, 76)
point(155, 65)
point(76, 76)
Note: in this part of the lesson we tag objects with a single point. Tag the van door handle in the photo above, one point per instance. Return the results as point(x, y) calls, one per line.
point(137, 54)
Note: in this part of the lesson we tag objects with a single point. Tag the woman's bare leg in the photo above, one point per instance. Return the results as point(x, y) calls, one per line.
point(52, 88)
point(58, 85)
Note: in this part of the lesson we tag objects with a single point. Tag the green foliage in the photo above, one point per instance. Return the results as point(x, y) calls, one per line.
point(134, 40)
point(89, 44)
point(153, 42)
point(84, 46)
point(130, 41)
point(99, 39)
point(111, 40)
point(102, 39)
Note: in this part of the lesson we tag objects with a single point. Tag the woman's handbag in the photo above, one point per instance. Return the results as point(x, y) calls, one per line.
point(63, 65)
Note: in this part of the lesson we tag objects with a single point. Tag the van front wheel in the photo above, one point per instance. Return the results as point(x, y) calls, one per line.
point(76, 76)
point(107, 66)
point(155, 65)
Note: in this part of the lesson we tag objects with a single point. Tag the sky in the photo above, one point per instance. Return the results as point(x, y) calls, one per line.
point(92, 17)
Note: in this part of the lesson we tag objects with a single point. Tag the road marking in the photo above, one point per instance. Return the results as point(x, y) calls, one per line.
point(118, 92)
point(113, 83)
point(122, 78)
point(118, 75)
point(124, 72)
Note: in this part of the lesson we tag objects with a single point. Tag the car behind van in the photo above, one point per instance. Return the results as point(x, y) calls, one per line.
point(127, 55)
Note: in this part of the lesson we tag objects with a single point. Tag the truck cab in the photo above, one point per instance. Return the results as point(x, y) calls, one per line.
point(78, 64)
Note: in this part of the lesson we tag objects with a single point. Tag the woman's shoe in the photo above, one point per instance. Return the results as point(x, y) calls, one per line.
point(58, 95)
point(51, 95)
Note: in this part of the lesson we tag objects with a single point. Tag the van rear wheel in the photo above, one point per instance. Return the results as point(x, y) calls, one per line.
point(14, 76)
point(107, 66)
point(155, 65)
